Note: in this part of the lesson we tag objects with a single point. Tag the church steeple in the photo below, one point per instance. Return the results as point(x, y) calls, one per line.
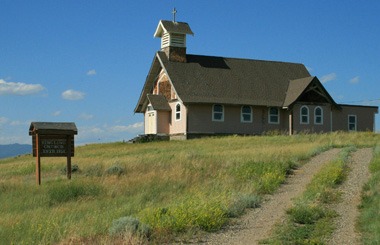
point(173, 38)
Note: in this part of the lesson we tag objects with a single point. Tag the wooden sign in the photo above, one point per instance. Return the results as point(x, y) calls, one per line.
point(53, 146)
point(51, 139)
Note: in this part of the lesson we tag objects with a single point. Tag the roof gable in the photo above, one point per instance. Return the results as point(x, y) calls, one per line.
point(295, 89)
point(308, 89)
point(172, 27)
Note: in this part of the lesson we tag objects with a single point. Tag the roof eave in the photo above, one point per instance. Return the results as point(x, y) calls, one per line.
point(159, 30)
point(148, 81)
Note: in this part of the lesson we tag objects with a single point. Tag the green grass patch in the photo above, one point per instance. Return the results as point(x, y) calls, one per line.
point(369, 220)
point(71, 191)
point(190, 213)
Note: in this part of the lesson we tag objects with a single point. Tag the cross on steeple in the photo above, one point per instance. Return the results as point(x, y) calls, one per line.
point(174, 12)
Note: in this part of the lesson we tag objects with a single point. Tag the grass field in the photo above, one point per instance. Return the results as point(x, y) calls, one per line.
point(152, 191)
point(369, 221)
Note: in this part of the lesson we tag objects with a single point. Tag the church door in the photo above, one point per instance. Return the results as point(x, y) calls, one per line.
point(152, 123)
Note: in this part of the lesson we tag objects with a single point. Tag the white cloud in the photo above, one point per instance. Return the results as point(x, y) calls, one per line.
point(3, 120)
point(86, 116)
point(18, 88)
point(108, 133)
point(90, 131)
point(56, 113)
point(329, 77)
point(309, 69)
point(129, 128)
point(91, 72)
point(355, 80)
point(73, 95)
point(89, 134)
point(19, 123)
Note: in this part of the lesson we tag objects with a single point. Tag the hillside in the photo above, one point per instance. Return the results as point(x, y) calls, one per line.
point(13, 150)
point(161, 190)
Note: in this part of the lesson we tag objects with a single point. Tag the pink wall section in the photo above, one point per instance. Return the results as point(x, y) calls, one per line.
point(178, 126)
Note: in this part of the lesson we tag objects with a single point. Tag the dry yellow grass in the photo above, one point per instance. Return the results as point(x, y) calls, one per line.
point(162, 175)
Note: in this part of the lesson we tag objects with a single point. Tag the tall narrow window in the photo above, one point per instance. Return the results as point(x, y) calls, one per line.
point(178, 112)
point(218, 113)
point(318, 115)
point(304, 115)
point(352, 123)
point(246, 114)
point(274, 116)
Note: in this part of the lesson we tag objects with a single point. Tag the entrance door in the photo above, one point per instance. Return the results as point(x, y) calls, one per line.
point(152, 123)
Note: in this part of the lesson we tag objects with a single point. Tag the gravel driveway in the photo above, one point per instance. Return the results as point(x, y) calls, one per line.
point(351, 198)
point(258, 223)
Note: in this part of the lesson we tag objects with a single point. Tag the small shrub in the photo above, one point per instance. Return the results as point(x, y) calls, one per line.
point(251, 201)
point(291, 165)
point(194, 213)
point(115, 170)
point(306, 214)
point(74, 168)
point(270, 181)
point(293, 234)
point(238, 206)
point(95, 171)
point(329, 195)
point(128, 225)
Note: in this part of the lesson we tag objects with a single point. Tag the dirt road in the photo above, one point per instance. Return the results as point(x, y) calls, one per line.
point(258, 223)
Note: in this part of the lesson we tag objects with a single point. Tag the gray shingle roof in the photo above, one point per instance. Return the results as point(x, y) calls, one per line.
point(295, 89)
point(208, 79)
point(159, 102)
point(172, 27)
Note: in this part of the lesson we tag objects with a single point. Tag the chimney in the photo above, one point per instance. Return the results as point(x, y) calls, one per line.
point(173, 39)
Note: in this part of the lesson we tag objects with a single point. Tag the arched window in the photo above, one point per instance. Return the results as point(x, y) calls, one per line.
point(273, 115)
point(246, 113)
point(218, 113)
point(318, 115)
point(304, 115)
point(178, 112)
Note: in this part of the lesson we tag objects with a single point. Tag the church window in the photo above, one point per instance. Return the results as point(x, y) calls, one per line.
point(178, 112)
point(274, 117)
point(318, 115)
point(218, 113)
point(246, 113)
point(304, 115)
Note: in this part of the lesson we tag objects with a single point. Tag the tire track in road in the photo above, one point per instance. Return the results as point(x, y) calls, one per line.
point(258, 223)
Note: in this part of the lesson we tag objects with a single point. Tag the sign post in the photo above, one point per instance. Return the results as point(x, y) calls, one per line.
point(52, 140)
point(38, 162)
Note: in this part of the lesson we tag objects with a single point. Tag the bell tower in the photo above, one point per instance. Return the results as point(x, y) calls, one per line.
point(173, 38)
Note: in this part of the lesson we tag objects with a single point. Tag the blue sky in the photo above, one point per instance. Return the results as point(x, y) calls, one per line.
point(86, 61)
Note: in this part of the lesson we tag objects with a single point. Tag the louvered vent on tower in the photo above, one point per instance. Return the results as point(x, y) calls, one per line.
point(173, 39)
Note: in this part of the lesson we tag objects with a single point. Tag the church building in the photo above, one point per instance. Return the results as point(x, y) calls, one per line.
point(186, 95)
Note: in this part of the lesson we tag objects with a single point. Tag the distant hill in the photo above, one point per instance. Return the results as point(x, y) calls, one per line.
point(14, 150)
